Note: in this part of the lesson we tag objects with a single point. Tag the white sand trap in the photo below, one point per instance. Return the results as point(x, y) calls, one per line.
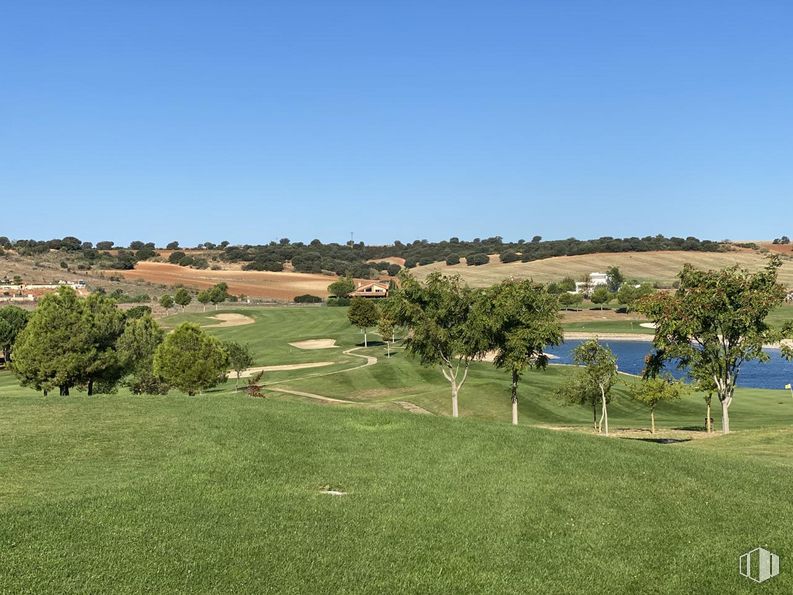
point(230, 320)
point(490, 356)
point(283, 368)
point(647, 324)
point(316, 344)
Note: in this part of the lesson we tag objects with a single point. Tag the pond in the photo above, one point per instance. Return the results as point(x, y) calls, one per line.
point(775, 373)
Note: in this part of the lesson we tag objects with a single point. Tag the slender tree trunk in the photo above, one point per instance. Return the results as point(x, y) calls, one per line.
point(605, 416)
point(64, 390)
point(7, 355)
point(652, 420)
point(455, 408)
point(725, 415)
point(708, 426)
point(514, 397)
point(91, 387)
point(237, 383)
point(365, 344)
point(387, 348)
point(595, 417)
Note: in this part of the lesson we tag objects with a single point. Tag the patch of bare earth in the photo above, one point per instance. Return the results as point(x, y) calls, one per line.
point(259, 284)
point(665, 434)
point(283, 368)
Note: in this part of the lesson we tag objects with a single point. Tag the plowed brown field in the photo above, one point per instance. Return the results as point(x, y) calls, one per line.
point(260, 284)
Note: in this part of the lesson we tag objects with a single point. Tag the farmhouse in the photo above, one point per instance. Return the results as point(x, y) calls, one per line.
point(375, 289)
point(595, 280)
point(30, 292)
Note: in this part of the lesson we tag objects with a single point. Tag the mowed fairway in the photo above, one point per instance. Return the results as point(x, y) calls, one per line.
point(223, 492)
point(662, 266)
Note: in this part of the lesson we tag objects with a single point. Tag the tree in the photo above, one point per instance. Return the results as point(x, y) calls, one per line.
point(172, 246)
point(600, 296)
point(166, 302)
point(522, 319)
point(592, 381)
point(240, 358)
point(341, 287)
point(204, 298)
point(219, 294)
point(386, 330)
point(12, 320)
point(453, 259)
point(614, 279)
point(364, 314)
point(568, 299)
point(443, 326)
point(191, 360)
point(629, 295)
point(136, 348)
point(715, 321)
point(68, 342)
point(654, 390)
point(182, 297)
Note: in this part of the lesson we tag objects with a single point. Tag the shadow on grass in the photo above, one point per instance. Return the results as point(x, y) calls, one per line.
point(660, 440)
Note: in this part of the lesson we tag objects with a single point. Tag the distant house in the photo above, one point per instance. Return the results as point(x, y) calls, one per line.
point(375, 289)
point(595, 280)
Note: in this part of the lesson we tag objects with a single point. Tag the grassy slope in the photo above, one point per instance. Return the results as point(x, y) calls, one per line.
point(220, 492)
point(649, 266)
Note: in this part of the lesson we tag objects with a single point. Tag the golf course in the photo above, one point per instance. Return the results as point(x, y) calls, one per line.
point(351, 476)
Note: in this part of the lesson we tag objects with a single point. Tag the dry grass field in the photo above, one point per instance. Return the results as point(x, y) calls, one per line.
point(258, 284)
point(643, 266)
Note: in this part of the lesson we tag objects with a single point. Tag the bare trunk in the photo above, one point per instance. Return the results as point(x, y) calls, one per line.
point(514, 397)
point(365, 344)
point(725, 415)
point(387, 348)
point(708, 426)
point(64, 389)
point(90, 387)
point(605, 410)
point(652, 420)
point(595, 417)
point(455, 409)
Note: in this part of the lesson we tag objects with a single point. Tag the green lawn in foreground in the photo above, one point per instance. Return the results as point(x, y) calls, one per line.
point(220, 492)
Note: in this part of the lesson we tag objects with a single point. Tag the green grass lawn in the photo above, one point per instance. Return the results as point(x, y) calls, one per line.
point(221, 492)
point(608, 326)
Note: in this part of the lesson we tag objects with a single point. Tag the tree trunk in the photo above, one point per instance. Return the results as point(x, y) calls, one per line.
point(455, 409)
point(595, 416)
point(514, 397)
point(7, 355)
point(237, 383)
point(91, 387)
point(387, 348)
point(64, 390)
point(365, 344)
point(605, 416)
point(652, 420)
point(708, 426)
point(725, 415)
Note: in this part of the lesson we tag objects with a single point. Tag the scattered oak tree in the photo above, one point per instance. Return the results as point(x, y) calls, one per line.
point(715, 321)
point(443, 326)
point(364, 314)
point(190, 360)
point(522, 318)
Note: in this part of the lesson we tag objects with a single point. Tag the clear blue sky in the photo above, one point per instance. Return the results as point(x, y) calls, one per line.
point(252, 121)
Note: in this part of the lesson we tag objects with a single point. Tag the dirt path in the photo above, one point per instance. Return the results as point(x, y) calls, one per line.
point(309, 395)
point(413, 408)
point(283, 368)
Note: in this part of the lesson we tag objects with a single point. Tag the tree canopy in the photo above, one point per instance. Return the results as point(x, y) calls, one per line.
point(191, 360)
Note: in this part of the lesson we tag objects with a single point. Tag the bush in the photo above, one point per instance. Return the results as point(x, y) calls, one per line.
point(308, 299)
point(338, 301)
point(453, 259)
point(176, 257)
point(508, 256)
point(410, 263)
point(477, 259)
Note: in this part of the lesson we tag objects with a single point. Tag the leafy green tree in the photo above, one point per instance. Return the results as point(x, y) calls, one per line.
point(715, 321)
point(190, 360)
point(12, 320)
point(522, 318)
point(654, 390)
point(172, 246)
point(364, 314)
point(166, 302)
point(614, 279)
point(136, 348)
point(444, 327)
point(568, 299)
point(341, 287)
point(453, 259)
point(386, 329)
point(592, 382)
point(629, 295)
point(204, 297)
point(182, 297)
point(567, 284)
point(600, 296)
point(219, 294)
point(240, 358)
point(69, 342)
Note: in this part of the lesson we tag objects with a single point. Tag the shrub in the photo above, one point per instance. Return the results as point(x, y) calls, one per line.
point(453, 259)
point(308, 299)
point(338, 301)
point(477, 259)
point(508, 256)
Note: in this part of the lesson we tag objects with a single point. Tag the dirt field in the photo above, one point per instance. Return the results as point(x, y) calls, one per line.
point(259, 284)
point(652, 266)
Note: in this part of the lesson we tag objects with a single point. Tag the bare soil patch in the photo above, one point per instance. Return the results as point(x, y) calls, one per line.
point(283, 368)
point(259, 284)
point(316, 344)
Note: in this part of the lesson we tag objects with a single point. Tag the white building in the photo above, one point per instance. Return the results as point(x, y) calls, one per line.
point(595, 280)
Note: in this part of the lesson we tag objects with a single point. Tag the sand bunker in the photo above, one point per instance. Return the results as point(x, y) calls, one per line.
point(490, 356)
point(647, 324)
point(230, 320)
point(283, 368)
point(316, 344)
